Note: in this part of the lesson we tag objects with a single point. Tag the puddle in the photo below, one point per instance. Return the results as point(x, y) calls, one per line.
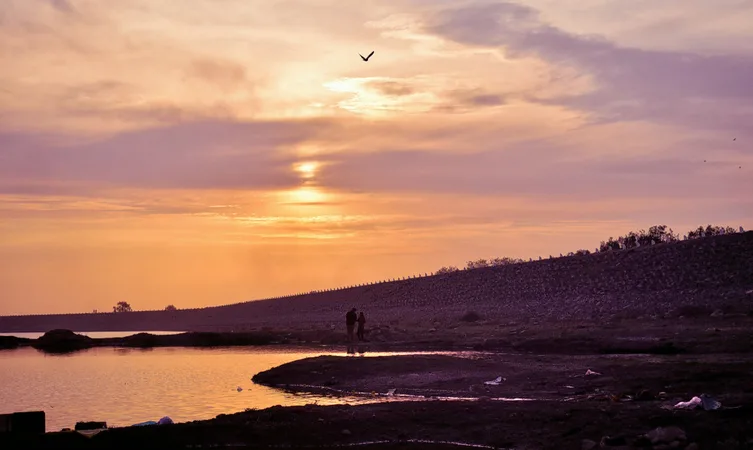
point(378, 397)
point(385, 442)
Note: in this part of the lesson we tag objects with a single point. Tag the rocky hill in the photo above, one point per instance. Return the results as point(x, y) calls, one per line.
point(694, 277)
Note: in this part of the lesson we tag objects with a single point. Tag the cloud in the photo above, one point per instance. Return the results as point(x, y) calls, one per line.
point(630, 83)
point(225, 74)
point(63, 6)
point(209, 155)
point(534, 170)
point(390, 87)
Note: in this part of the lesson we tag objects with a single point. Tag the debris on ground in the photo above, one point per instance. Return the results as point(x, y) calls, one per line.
point(690, 404)
point(707, 402)
point(495, 382)
point(591, 372)
point(666, 435)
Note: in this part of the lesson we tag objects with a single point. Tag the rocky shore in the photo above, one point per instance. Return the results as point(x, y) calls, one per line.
point(573, 386)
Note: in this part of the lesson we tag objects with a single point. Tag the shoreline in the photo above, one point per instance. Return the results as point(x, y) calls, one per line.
point(642, 370)
point(725, 333)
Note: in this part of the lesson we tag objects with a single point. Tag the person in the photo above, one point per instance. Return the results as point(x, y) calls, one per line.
point(361, 323)
point(350, 322)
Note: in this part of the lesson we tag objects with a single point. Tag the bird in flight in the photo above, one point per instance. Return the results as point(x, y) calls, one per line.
point(366, 58)
point(732, 139)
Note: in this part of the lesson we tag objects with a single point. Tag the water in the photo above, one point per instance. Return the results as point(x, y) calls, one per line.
point(94, 334)
point(126, 386)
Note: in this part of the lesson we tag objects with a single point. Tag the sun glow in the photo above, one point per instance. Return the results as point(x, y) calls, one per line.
point(305, 195)
point(307, 169)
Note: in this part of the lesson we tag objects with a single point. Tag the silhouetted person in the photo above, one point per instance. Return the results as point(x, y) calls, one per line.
point(361, 324)
point(350, 322)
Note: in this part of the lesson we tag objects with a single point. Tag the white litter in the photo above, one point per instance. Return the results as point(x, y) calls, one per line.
point(570, 387)
point(496, 382)
point(709, 404)
point(691, 404)
point(391, 392)
point(591, 372)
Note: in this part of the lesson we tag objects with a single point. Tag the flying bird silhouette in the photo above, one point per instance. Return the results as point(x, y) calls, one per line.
point(732, 139)
point(366, 58)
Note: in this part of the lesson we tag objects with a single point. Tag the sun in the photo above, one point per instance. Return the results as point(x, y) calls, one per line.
point(307, 169)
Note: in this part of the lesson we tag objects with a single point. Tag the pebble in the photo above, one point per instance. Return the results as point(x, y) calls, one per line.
point(346, 432)
point(608, 441)
point(666, 435)
point(588, 444)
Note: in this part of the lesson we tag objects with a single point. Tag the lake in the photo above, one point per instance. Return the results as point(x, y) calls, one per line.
point(125, 386)
point(93, 334)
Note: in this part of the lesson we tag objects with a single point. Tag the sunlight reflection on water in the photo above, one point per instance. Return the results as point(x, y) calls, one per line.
point(126, 386)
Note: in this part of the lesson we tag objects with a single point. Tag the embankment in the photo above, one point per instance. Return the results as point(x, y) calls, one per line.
point(692, 277)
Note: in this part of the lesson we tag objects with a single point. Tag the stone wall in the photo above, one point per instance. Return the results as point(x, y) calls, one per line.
point(695, 276)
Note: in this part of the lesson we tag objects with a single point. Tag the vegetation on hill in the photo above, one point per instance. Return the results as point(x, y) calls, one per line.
point(657, 234)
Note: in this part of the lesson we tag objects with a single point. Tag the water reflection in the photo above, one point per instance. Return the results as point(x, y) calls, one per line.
point(125, 386)
point(352, 349)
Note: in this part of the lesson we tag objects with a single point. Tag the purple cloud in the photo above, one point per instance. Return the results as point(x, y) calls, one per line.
point(534, 170)
point(633, 83)
point(191, 155)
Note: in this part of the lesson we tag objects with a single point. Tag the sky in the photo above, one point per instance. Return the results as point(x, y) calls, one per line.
point(207, 152)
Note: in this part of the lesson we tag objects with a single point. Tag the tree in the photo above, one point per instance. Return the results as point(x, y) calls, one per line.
point(446, 270)
point(170, 308)
point(505, 261)
point(122, 307)
point(611, 244)
point(479, 263)
point(710, 230)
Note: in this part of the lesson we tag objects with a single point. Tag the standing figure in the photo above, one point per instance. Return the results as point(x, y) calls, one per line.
point(350, 323)
point(361, 323)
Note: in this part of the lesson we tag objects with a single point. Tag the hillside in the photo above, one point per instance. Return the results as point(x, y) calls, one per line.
point(693, 277)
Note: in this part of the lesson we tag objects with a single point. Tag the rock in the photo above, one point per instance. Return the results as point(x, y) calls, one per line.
point(346, 432)
point(588, 444)
point(717, 313)
point(62, 341)
point(729, 444)
point(666, 435)
point(692, 446)
point(608, 441)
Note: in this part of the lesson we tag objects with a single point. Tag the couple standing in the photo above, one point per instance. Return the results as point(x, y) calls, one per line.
point(350, 321)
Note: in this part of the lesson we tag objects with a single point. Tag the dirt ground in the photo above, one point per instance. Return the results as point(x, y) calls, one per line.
point(644, 368)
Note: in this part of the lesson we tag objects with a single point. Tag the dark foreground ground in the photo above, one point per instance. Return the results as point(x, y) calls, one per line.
point(632, 395)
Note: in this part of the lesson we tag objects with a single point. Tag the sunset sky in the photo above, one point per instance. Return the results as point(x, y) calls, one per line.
point(205, 152)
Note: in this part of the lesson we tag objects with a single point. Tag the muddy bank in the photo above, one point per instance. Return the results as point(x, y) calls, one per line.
point(11, 342)
point(703, 335)
point(533, 425)
point(630, 396)
point(663, 380)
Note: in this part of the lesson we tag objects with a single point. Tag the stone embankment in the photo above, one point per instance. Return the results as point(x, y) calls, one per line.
point(689, 278)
